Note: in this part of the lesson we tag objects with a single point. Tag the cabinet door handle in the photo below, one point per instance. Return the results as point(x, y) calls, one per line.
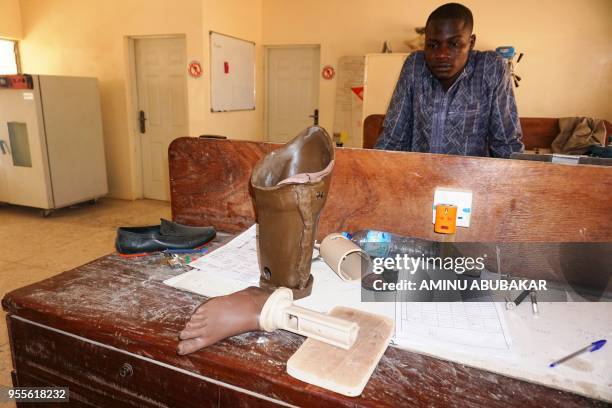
point(141, 121)
point(4, 147)
point(126, 370)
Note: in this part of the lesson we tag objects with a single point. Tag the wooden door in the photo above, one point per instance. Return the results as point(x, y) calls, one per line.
point(293, 90)
point(162, 106)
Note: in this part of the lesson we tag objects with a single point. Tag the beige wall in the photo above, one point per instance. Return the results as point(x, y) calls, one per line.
point(242, 19)
point(10, 19)
point(566, 70)
point(89, 37)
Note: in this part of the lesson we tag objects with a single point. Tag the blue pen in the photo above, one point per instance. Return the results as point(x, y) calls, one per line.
point(596, 345)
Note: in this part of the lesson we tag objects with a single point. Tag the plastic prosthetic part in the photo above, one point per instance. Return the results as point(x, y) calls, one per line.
point(303, 178)
point(344, 371)
point(279, 313)
point(345, 257)
point(289, 187)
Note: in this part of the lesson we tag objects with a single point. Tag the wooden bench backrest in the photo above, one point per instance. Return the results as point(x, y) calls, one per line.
point(514, 201)
point(537, 132)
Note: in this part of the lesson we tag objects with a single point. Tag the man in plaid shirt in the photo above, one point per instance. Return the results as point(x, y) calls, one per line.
point(450, 99)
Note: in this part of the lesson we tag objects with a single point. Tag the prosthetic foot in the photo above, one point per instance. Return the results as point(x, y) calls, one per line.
point(222, 317)
point(259, 309)
point(289, 187)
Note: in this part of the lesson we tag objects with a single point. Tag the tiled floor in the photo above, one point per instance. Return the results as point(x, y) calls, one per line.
point(33, 248)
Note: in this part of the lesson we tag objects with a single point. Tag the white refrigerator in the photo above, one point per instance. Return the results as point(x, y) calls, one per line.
point(51, 142)
point(380, 78)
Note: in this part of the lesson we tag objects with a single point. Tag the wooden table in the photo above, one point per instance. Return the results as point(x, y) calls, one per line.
point(108, 331)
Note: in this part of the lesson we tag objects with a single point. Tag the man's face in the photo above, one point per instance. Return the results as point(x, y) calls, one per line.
point(447, 46)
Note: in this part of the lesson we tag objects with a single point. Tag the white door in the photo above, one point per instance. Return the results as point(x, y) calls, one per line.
point(293, 90)
point(162, 101)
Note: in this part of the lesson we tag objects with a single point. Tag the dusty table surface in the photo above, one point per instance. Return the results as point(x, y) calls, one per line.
point(124, 303)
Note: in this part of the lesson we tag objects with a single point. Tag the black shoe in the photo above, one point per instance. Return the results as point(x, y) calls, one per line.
point(154, 238)
point(173, 228)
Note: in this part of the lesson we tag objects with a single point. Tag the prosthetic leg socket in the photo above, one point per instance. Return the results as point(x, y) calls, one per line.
point(279, 313)
point(289, 188)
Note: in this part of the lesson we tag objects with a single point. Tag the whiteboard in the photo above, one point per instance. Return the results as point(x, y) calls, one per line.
point(232, 73)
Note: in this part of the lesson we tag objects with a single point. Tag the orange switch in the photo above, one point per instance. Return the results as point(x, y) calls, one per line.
point(446, 219)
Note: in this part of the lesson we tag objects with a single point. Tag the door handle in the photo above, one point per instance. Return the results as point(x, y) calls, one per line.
point(4, 147)
point(141, 121)
point(315, 116)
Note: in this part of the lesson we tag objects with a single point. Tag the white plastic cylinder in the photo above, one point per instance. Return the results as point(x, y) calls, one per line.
point(345, 257)
point(280, 313)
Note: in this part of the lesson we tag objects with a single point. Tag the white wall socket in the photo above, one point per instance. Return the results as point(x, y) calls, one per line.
point(462, 199)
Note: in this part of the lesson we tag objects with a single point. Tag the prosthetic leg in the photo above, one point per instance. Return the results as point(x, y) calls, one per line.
point(289, 188)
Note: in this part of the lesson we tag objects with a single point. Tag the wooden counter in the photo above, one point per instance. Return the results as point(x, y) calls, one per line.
point(109, 329)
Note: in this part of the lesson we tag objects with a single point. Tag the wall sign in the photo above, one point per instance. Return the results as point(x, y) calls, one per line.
point(195, 69)
point(328, 72)
point(232, 73)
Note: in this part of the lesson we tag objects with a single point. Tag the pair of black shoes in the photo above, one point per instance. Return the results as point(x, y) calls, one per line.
point(168, 235)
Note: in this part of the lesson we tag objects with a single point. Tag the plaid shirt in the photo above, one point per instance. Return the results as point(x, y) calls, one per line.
point(476, 117)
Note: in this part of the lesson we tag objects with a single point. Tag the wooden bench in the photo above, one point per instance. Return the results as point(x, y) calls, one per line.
point(538, 133)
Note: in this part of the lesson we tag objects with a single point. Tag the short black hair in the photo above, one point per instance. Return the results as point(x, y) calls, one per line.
point(452, 11)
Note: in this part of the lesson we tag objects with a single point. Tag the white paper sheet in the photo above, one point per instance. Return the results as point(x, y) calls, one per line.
point(472, 324)
point(234, 260)
point(227, 269)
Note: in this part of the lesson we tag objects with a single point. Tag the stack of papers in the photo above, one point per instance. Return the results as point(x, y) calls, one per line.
point(227, 269)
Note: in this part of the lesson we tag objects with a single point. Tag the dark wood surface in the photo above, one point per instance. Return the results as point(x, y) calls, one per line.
point(123, 304)
point(537, 132)
point(514, 200)
point(372, 128)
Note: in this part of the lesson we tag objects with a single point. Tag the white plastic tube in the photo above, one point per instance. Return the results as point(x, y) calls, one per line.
point(345, 257)
point(279, 313)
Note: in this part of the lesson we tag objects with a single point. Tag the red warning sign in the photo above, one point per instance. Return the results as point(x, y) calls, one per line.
point(328, 72)
point(195, 69)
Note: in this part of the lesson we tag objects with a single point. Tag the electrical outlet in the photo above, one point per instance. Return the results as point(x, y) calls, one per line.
point(462, 199)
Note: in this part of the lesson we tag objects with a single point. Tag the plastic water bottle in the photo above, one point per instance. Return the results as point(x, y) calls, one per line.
point(387, 244)
point(376, 243)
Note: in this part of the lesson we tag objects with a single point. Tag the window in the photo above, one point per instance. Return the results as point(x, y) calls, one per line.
point(18, 136)
point(9, 57)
